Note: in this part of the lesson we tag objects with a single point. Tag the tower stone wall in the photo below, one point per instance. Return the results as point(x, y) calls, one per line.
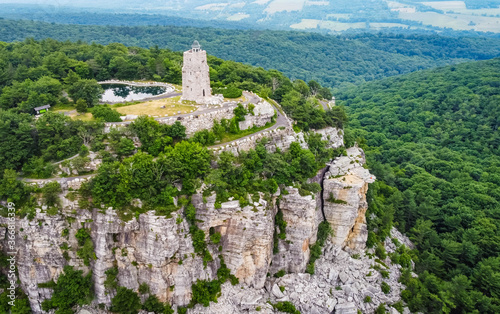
point(195, 75)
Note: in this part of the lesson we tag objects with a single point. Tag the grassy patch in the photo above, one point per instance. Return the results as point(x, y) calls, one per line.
point(73, 115)
point(153, 107)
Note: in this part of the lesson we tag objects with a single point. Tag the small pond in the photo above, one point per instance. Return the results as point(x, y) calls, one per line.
point(116, 93)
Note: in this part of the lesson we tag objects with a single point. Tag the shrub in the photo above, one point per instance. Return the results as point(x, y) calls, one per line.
point(152, 304)
point(280, 273)
point(215, 238)
point(405, 260)
point(105, 113)
point(232, 92)
point(72, 289)
point(380, 309)
point(82, 235)
point(81, 106)
point(385, 287)
point(199, 241)
point(86, 252)
point(332, 199)
point(51, 193)
point(286, 307)
point(38, 168)
point(223, 273)
point(380, 251)
point(111, 282)
point(324, 230)
point(398, 306)
point(205, 291)
point(126, 301)
point(204, 137)
point(384, 273)
point(143, 288)
point(84, 151)
point(367, 299)
point(281, 225)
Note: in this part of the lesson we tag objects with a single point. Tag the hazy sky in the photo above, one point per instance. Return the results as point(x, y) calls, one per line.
point(106, 3)
point(93, 3)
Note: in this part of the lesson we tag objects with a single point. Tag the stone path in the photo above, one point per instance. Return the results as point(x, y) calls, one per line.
point(60, 180)
point(281, 121)
point(61, 161)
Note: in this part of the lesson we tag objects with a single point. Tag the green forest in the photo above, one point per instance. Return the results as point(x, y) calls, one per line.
point(333, 61)
point(35, 73)
point(38, 72)
point(432, 138)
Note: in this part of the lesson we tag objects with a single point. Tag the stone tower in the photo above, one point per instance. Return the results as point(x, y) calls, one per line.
point(195, 75)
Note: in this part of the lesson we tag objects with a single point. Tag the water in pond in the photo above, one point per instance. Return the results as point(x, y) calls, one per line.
point(115, 93)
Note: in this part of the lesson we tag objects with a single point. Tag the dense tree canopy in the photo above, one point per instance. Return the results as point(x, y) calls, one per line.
point(333, 61)
point(433, 141)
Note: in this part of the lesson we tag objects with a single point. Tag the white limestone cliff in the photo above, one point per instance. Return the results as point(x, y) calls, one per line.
point(344, 193)
point(158, 250)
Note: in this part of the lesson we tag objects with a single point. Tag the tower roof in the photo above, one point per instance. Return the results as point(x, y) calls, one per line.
point(196, 45)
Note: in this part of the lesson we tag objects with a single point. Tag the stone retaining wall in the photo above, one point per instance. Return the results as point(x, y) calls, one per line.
point(280, 138)
point(66, 183)
point(205, 120)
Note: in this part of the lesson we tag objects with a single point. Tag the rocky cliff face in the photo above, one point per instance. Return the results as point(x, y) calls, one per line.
point(158, 250)
point(344, 193)
point(247, 235)
point(147, 250)
point(300, 214)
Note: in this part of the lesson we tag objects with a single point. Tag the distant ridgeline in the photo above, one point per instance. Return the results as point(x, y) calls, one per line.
point(333, 61)
point(432, 138)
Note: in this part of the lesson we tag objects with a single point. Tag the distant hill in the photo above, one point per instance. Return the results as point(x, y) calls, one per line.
point(334, 61)
point(326, 16)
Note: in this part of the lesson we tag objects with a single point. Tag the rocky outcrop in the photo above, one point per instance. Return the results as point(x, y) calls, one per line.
point(300, 214)
point(334, 136)
point(69, 168)
point(158, 250)
point(280, 138)
point(341, 284)
point(40, 257)
point(148, 249)
point(262, 114)
point(247, 235)
point(344, 193)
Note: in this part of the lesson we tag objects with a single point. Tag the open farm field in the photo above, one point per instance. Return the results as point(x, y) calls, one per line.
point(455, 21)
